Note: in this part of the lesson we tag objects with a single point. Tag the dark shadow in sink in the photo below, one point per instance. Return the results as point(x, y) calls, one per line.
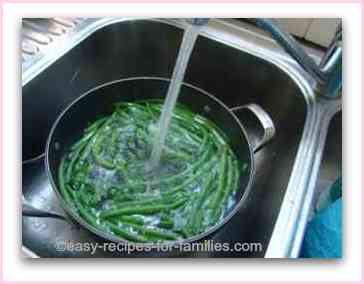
point(147, 48)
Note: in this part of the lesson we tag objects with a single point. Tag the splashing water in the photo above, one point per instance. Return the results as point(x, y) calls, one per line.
point(188, 42)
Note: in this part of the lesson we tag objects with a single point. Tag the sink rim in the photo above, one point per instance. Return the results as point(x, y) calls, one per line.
point(289, 227)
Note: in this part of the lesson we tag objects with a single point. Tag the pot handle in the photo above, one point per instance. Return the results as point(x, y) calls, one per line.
point(265, 121)
point(29, 209)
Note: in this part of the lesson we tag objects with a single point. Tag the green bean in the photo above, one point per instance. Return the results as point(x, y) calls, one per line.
point(96, 148)
point(159, 234)
point(181, 121)
point(119, 195)
point(214, 205)
point(195, 217)
point(136, 220)
point(174, 154)
point(89, 197)
point(85, 152)
point(125, 234)
point(219, 138)
point(193, 167)
point(95, 125)
point(175, 178)
point(72, 162)
point(62, 184)
point(146, 209)
point(96, 151)
point(83, 141)
point(166, 222)
point(193, 178)
point(186, 120)
point(225, 193)
point(83, 212)
point(92, 220)
point(144, 202)
point(152, 233)
point(89, 133)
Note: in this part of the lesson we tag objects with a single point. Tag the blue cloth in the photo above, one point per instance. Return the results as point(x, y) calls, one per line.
point(323, 238)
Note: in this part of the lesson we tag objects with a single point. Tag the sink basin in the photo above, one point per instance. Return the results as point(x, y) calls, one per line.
point(233, 65)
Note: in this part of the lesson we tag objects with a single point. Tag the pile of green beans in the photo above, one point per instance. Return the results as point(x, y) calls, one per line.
point(105, 179)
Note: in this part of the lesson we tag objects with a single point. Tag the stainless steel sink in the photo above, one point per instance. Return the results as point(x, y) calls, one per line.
point(229, 61)
point(331, 164)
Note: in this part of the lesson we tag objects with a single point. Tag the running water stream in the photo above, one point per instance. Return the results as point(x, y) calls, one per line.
point(189, 38)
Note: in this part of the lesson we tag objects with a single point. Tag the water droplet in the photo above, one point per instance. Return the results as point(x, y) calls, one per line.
point(39, 226)
point(206, 109)
point(42, 199)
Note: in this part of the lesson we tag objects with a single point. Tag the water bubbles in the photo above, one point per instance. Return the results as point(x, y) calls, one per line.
point(95, 173)
point(43, 200)
point(153, 128)
point(43, 203)
point(104, 204)
point(39, 225)
point(57, 146)
point(206, 109)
